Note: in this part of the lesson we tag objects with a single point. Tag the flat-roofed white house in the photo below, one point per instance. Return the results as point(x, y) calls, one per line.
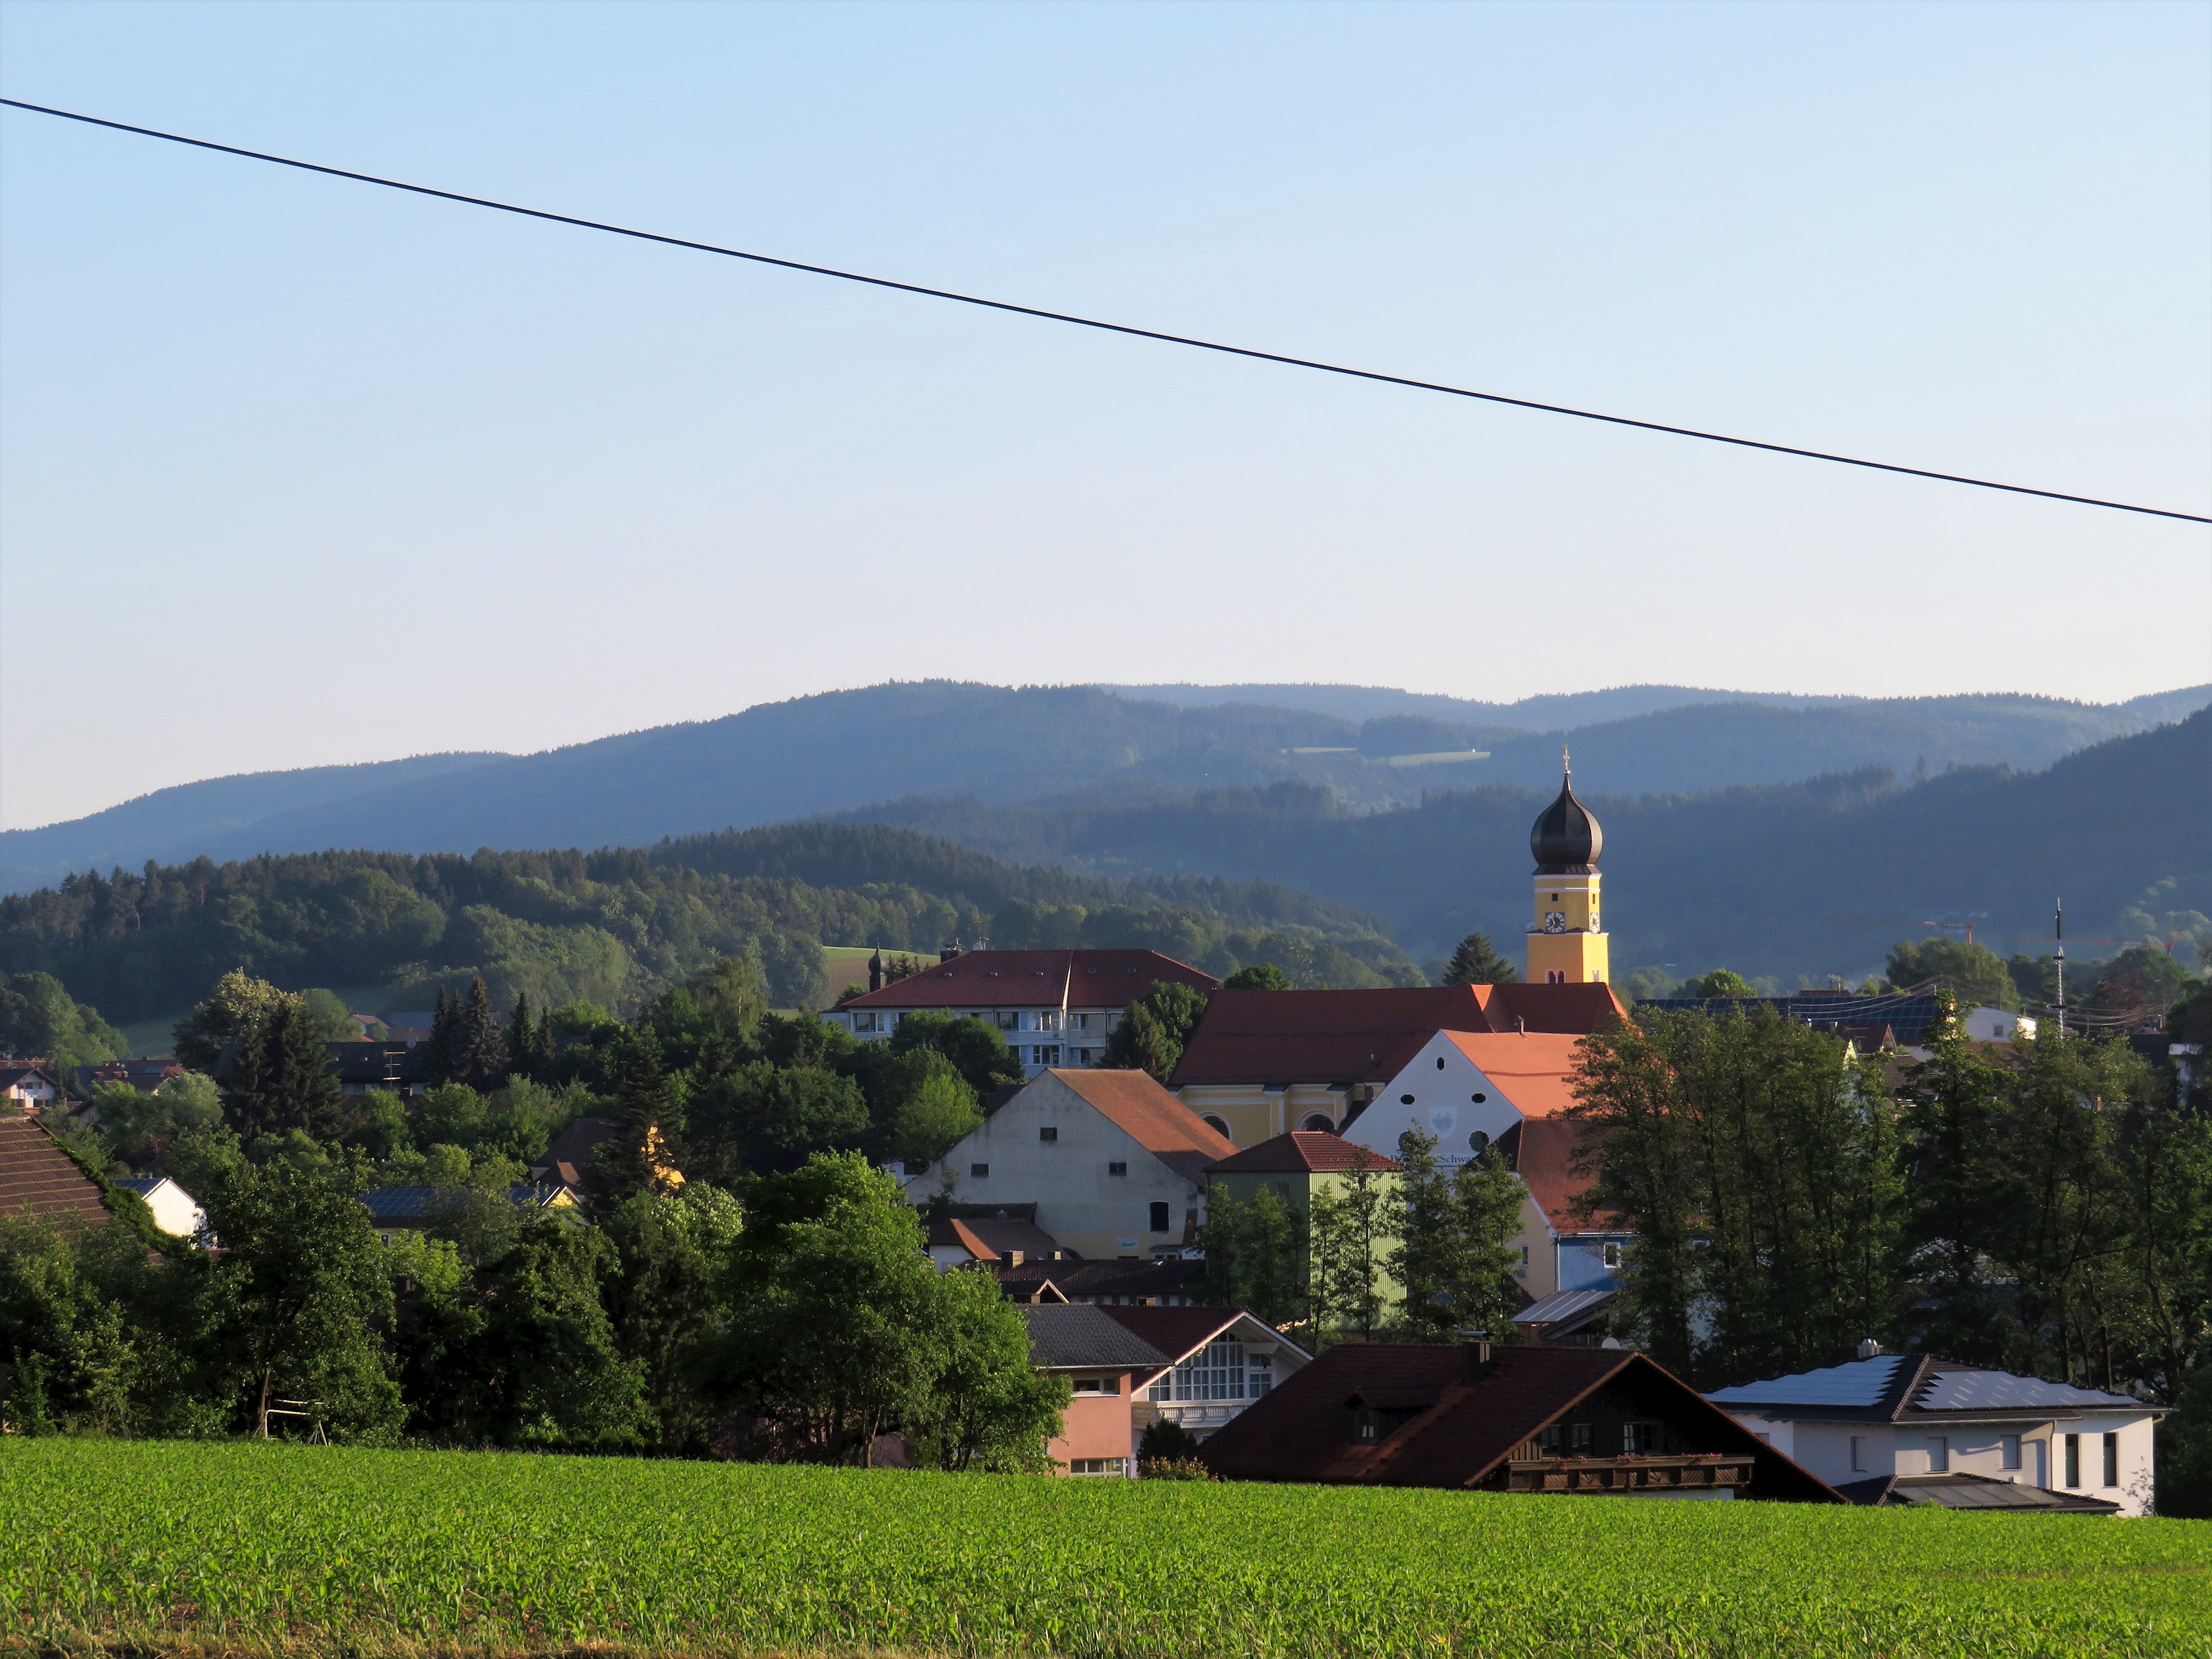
point(1898, 1429)
point(1476, 1090)
point(1113, 1164)
point(1056, 1008)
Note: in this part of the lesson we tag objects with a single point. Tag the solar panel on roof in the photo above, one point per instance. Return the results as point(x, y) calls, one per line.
point(1979, 1390)
point(1857, 1382)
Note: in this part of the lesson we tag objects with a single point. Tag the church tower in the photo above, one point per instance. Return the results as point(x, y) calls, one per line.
point(1566, 941)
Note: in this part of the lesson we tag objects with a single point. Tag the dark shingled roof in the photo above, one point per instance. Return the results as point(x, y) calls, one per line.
point(1368, 1036)
point(1302, 1152)
point(1065, 1337)
point(37, 1178)
point(1461, 1416)
point(1961, 1491)
point(1027, 979)
point(1896, 1387)
point(1179, 1332)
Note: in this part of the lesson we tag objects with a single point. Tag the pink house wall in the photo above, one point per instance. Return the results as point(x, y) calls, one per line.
point(1097, 1426)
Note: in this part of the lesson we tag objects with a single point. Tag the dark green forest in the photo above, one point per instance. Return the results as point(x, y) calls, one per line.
point(612, 927)
point(1807, 878)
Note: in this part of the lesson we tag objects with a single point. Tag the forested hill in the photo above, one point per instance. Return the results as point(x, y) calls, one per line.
point(844, 749)
point(612, 928)
point(1802, 878)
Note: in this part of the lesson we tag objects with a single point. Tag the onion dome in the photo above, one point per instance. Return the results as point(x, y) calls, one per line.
point(1566, 839)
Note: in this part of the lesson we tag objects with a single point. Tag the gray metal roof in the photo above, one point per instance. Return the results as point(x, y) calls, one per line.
point(1960, 1390)
point(1560, 1305)
point(1961, 1491)
point(1860, 1382)
point(1077, 1336)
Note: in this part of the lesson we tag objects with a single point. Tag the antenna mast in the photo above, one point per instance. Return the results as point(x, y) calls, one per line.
point(2058, 932)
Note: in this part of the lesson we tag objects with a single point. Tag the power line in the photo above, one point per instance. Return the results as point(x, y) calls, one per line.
point(1095, 323)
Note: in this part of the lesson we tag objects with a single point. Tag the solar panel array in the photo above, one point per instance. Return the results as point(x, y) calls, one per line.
point(1907, 1016)
point(1977, 1390)
point(1857, 1382)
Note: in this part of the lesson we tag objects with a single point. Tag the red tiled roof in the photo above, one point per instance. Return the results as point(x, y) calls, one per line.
point(1542, 1153)
point(1461, 1417)
point(1150, 1116)
point(1307, 1151)
point(1530, 1068)
point(1028, 979)
point(37, 1177)
point(1178, 1332)
point(994, 1240)
point(1367, 1036)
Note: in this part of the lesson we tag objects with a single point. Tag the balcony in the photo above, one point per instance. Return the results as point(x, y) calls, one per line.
point(1695, 1472)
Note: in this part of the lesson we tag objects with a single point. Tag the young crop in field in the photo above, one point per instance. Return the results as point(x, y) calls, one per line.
point(271, 1547)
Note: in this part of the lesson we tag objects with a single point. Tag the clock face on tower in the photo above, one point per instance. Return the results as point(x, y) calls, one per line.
point(1555, 921)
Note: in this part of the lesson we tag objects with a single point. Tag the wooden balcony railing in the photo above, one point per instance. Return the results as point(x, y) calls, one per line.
point(1694, 1472)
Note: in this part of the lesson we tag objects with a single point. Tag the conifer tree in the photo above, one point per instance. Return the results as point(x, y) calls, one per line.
point(288, 1083)
point(438, 1047)
point(521, 1039)
point(479, 1052)
point(1477, 963)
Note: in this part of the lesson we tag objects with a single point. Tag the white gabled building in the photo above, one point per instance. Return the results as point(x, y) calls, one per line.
point(1055, 1008)
point(1476, 1090)
point(1898, 1429)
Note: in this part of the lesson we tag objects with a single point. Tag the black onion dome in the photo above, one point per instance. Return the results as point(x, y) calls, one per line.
point(1566, 839)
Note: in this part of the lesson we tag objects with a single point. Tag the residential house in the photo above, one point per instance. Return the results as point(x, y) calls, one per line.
point(396, 1210)
point(39, 1181)
point(1104, 1363)
point(1006, 1235)
point(1114, 1163)
point(1220, 1361)
point(1055, 1007)
point(144, 1075)
point(176, 1211)
point(1474, 1090)
point(398, 1068)
point(1263, 1063)
point(568, 1159)
point(1177, 1280)
point(1518, 1420)
point(1298, 1165)
point(1915, 1429)
point(27, 1085)
point(1569, 1319)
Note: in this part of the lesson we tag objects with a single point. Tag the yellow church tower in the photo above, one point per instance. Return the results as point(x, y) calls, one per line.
point(1567, 940)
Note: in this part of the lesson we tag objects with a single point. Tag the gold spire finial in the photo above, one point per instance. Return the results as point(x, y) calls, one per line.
point(1566, 763)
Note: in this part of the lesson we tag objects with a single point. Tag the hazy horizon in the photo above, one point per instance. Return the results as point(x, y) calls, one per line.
point(295, 472)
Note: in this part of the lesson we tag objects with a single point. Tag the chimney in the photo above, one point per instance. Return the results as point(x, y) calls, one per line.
point(1869, 1349)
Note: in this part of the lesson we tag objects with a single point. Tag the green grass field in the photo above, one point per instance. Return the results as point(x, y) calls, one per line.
point(263, 1549)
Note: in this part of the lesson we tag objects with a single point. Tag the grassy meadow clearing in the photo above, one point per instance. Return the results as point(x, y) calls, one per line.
point(231, 1547)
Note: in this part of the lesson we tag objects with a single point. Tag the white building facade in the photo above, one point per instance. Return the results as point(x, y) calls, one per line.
point(1055, 1008)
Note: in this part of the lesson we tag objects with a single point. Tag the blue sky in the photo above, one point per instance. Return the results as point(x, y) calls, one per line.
point(294, 471)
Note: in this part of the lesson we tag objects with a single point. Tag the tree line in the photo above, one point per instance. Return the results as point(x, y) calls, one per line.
point(744, 1284)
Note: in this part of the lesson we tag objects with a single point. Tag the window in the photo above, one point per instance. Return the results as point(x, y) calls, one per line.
point(1640, 1439)
point(914, 1169)
point(1366, 1428)
point(1047, 1133)
point(1117, 1169)
point(1405, 1100)
point(980, 1171)
point(1318, 1121)
point(1106, 1465)
point(1078, 1022)
point(1282, 1188)
point(1007, 1021)
point(1478, 1142)
point(1612, 1256)
point(1259, 1374)
point(1218, 1125)
point(1049, 1020)
point(1440, 1062)
point(867, 1022)
point(2111, 1460)
point(1555, 976)
point(1046, 1053)
point(1159, 1218)
point(1549, 1440)
point(1216, 1371)
point(2072, 1460)
point(1478, 1098)
point(2008, 1451)
point(1939, 1454)
point(1858, 1454)
point(1097, 1385)
point(1578, 1438)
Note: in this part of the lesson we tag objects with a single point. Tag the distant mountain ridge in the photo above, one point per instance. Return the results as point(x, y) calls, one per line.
point(841, 751)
